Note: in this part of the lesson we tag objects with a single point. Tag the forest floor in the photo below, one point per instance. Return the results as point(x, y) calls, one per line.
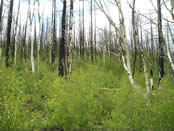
point(93, 97)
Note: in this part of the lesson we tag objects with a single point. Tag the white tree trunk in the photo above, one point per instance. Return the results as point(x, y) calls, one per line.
point(168, 50)
point(32, 44)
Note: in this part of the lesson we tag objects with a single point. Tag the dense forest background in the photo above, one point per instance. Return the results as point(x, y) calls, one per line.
point(61, 70)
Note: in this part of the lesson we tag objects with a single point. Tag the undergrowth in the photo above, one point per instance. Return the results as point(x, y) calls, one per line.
point(93, 97)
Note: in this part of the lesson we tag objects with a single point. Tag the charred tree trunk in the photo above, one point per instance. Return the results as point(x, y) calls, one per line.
point(91, 46)
point(1, 10)
point(135, 33)
point(161, 45)
point(10, 13)
point(61, 68)
point(53, 49)
point(95, 33)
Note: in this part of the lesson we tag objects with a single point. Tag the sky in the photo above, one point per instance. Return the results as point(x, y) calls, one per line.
point(142, 6)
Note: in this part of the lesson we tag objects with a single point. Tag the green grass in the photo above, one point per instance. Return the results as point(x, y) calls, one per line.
point(42, 100)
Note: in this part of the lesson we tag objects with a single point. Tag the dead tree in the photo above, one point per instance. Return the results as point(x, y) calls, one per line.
point(8, 42)
point(39, 40)
point(122, 33)
point(1, 19)
point(14, 44)
point(53, 48)
point(91, 46)
point(135, 33)
point(136, 40)
point(70, 44)
point(61, 68)
point(168, 49)
point(31, 16)
point(161, 45)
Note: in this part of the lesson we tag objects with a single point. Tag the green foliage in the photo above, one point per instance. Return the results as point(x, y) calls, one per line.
point(92, 97)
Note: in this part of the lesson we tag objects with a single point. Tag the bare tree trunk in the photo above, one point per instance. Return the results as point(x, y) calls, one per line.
point(39, 40)
point(135, 33)
point(53, 49)
point(61, 68)
point(24, 50)
point(161, 45)
point(168, 50)
point(83, 48)
point(136, 40)
point(14, 44)
point(95, 33)
point(70, 39)
point(19, 40)
point(32, 42)
point(152, 42)
point(10, 13)
point(1, 19)
point(126, 55)
point(91, 46)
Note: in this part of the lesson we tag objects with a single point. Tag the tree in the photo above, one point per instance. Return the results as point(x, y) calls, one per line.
point(161, 45)
point(54, 42)
point(31, 40)
point(8, 42)
point(1, 11)
point(122, 36)
point(91, 46)
point(168, 49)
point(14, 44)
point(61, 68)
point(39, 40)
point(135, 33)
point(70, 44)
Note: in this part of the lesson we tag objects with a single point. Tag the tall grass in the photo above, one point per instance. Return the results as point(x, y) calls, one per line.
point(93, 97)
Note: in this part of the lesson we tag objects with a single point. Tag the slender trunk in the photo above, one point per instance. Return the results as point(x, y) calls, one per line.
point(152, 42)
point(135, 33)
point(70, 39)
point(14, 43)
point(126, 54)
point(61, 68)
point(53, 49)
point(161, 45)
point(91, 48)
point(1, 11)
point(9, 32)
point(39, 40)
point(95, 33)
point(32, 42)
point(168, 50)
point(83, 48)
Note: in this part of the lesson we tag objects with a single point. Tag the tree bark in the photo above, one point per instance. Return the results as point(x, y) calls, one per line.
point(168, 50)
point(91, 46)
point(53, 48)
point(135, 33)
point(70, 44)
point(1, 19)
point(161, 45)
point(32, 42)
point(14, 44)
point(8, 43)
point(61, 68)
